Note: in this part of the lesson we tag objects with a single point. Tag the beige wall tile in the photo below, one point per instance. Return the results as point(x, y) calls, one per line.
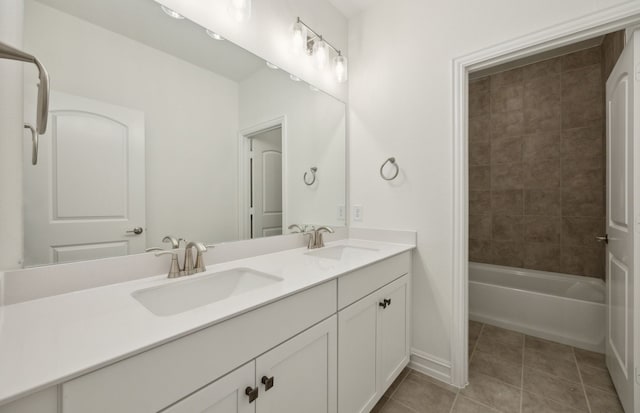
point(581, 58)
point(479, 202)
point(507, 98)
point(480, 227)
point(506, 150)
point(582, 97)
point(542, 174)
point(582, 231)
point(583, 261)
point(508, 228)
point(508, 253)
point(583, 202)
point(542, 202)
point(542, 229)
point(542, 256)
point(507, 202)
point(479, 178)
point(506, 176)
point(479, 153)
point(542, 69)
point(507, 124)
point(541, 146)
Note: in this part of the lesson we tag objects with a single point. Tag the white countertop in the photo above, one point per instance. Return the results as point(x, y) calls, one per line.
point(51, 340)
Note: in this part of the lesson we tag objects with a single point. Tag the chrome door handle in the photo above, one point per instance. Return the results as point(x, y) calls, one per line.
point(136, 231)
point(604, 239)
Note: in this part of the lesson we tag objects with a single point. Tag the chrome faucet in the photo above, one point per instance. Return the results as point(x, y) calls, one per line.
point(188, 267)
point(316, 239)
point(175, 243)
point(296, 229)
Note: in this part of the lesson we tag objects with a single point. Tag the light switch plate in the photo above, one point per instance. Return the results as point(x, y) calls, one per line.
point(341, 213)
point(357, 213)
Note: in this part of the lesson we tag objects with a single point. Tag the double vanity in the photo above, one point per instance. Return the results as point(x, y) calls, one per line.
point(298, 330)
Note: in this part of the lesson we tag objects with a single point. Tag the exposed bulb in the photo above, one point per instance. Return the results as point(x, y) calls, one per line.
point(240, 10)
point(340, 67)
point(171, 13)
point(320, 53)
point(299, 38)
point(214, 35)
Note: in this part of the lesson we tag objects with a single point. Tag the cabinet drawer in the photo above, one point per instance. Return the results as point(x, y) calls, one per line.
point(362, 282)
point(159, 377)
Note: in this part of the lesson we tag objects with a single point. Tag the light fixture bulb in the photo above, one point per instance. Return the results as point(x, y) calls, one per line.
point(294, 78)
point(171, 13)
point(299, 38)
point(240, 10)
point(214, 35)
point(340, 67)
point(272, 66)
point(320, 53)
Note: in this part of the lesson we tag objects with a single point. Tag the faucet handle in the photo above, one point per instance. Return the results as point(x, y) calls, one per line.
point(319, 237)
point(174, 269)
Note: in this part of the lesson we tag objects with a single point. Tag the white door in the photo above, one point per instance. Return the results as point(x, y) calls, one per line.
point(225, 395)
point(393, 331)
point(358, 358)
point(299, 376)
point(266, 183)
point(86, 197)
point(622, 169)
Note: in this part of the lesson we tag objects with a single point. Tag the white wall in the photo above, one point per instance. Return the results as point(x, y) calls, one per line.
point(11, 135)
point(267, 34)
point(191, 117)
point(315, 137)
point(400, 97)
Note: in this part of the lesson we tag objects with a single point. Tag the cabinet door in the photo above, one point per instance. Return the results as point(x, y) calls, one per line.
point(225, 395)
point(393, 331)
point(300, 374)
point(357, 353)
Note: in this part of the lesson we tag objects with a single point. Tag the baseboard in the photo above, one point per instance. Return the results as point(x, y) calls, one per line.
point(431, 365)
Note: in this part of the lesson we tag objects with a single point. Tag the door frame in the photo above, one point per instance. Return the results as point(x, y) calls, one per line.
point(595, 24)
point(244, 225)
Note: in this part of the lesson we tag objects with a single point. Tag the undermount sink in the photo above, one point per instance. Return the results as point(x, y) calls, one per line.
point(340, 252)
point(192, 293)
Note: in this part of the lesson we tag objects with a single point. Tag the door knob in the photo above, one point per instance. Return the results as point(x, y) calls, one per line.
point(604, 239)
point(136, 231)
point(383, 304)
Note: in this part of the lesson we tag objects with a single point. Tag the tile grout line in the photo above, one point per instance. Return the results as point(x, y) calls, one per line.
point(524, 348)
point(455, 400)
point(584, 390)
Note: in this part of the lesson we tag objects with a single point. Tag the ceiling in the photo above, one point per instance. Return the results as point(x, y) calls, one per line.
point(351, 8)
point(145, 22)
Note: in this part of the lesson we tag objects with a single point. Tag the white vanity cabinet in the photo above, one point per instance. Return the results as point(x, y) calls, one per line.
point(374, 344)
point(297, 376)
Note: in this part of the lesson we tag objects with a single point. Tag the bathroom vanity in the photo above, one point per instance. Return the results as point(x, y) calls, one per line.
point(329, 332)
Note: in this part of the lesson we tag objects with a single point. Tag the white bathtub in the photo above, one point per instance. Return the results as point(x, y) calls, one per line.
point(565, 308)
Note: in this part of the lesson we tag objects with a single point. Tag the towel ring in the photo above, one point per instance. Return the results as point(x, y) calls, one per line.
point(393, 162)
point(313, 179)
point(34, 143)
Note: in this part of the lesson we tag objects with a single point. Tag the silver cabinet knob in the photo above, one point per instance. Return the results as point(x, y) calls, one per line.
point(136, 231)
point(604, 239)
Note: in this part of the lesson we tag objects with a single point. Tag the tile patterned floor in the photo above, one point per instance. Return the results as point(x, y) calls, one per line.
point(511, 373)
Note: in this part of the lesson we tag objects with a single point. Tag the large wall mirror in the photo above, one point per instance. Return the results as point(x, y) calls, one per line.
point(158, 128)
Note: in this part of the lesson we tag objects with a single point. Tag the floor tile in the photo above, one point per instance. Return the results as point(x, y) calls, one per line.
point(590, 358)
point(502, 335)
point(492, 392)
point(405, 372)
point(496, 367)
point(545, 346)
point(508, 351)
point(552, 363)
point(603, 401)
point(378, 407)
point(464, 405)
point(474, 330)
point(533, 403)
point(560, 390)
point(598, 378)
point(422, 395)
point(393, 406)
point(439, 383)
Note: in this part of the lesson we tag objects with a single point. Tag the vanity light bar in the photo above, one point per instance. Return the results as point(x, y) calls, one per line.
point(315, 45)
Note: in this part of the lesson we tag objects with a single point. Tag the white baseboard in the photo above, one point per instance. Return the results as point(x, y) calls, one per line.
point(431, 365)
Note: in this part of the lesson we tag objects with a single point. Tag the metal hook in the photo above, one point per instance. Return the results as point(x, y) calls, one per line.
point(391, 160)
point(313, 172)
point(34, 144)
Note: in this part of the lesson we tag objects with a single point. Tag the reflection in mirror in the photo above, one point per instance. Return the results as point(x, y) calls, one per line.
point(159, 129)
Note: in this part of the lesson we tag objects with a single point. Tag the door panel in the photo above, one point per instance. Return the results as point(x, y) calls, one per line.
point(393, 331)
point(621, 131)
point(303, 371)
point(88, 188)
point(266, 179)
point(225, 395)
point(358, 352)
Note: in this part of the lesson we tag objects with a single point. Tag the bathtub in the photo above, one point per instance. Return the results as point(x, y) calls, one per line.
point(568, 309)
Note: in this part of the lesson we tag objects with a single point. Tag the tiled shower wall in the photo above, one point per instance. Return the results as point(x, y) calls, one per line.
point(537, 165)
